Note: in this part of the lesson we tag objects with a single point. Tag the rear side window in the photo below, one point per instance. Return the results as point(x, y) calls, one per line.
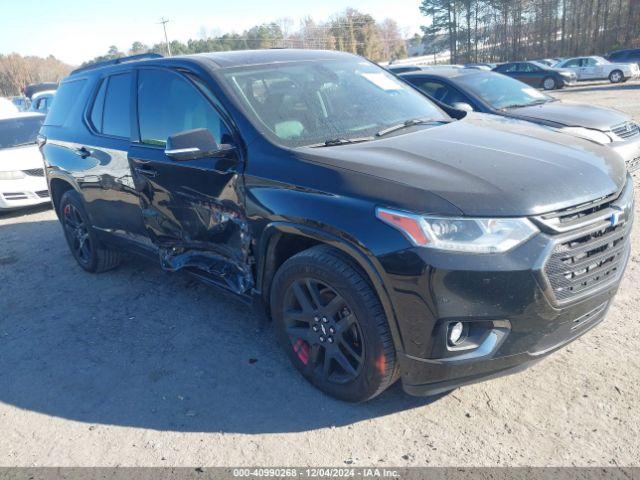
point(117, 100)
point(169, 104)
point(64, 100)
point(98, 107)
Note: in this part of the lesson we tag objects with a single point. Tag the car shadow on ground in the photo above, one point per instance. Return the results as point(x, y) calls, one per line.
point(138, 347)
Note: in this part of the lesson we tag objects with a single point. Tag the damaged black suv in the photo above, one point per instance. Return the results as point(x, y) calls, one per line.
point(386, 239)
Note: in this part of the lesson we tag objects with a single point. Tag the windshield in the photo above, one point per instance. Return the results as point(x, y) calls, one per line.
point(18, 131)
point(500, 91)
point(308, 103)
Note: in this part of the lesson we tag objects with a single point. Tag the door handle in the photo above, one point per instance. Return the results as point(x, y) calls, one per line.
point(146, 171)
point(83, 152)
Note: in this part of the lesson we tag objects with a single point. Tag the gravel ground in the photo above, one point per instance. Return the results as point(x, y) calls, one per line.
point(138, 367)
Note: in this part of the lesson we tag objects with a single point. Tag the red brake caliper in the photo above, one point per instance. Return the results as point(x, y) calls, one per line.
point(302, 349)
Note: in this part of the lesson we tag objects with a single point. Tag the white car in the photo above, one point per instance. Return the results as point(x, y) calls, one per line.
point(22, 180)
point(598, 68)
point(7, 108)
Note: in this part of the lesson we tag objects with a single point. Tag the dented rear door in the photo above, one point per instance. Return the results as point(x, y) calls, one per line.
point(192, 209)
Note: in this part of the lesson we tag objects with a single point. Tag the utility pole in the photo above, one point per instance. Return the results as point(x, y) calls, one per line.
point(164, 22)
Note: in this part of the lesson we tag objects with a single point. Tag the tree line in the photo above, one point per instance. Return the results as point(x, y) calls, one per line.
point(501, 30)
point(17, 71)
point(349, 31)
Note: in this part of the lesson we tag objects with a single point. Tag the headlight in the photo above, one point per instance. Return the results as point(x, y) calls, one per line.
point(588, 133)
point(460, 234)
point(15, 175)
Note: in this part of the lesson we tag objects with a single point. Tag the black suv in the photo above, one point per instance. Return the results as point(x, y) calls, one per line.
point(386, 239)
point(629, 55)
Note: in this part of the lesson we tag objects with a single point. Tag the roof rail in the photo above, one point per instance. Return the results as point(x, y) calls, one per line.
point(115, 61)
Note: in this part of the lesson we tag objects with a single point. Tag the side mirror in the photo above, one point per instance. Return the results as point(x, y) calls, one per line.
point(463, 106)
point(194, 144)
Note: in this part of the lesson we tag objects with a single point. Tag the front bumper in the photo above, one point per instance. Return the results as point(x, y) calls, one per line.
point(569, 81)
point(24, 192)
point(507, 297)
point(629, 150)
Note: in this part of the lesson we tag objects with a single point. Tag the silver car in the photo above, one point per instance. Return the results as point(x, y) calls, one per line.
point(599, 68)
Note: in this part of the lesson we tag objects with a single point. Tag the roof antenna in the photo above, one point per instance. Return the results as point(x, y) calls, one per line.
point(164, 22)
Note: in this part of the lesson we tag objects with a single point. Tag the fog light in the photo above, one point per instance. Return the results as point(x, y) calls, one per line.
point(455, 333)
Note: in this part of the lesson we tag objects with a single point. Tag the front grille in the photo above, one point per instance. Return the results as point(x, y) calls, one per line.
point(35, 172)
point(15, 196)
point(43, 193)
point(591, 247)
point(626, 130)
point(584, 263)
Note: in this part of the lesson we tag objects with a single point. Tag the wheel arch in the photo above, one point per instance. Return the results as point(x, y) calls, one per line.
point(58, 185)
point(281, 240)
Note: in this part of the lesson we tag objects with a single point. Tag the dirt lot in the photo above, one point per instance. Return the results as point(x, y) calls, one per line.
point(139, 367)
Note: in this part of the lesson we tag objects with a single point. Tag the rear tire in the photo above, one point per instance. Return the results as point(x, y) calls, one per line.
point(330, 322)
point(616, 76)
point(85, 247)
point(549, 83)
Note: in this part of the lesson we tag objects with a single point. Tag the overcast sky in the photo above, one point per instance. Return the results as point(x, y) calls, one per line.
point(78, 30)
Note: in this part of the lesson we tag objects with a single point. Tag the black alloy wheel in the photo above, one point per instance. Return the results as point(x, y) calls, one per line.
point(85, 247)
point(323, 331)
point(331, 324)
point(77, 233)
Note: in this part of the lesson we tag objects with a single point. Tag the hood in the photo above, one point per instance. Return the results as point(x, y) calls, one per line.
point(20, 158)
point(573, 115)
point(486, 165)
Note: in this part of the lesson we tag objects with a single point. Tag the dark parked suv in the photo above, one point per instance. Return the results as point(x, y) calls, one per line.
point(386, 239)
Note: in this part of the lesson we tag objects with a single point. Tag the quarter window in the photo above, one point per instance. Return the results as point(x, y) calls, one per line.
point(65, 99)
point(116, 114)
point(169, 104)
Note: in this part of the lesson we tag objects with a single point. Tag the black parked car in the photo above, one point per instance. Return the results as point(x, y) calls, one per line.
point(490, 92)
point(386, 239)
point(538, 75)
point(628, 55)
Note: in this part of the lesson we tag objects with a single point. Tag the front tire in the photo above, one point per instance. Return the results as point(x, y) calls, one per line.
point(331, 323)
point(549, 83)
point(85, 247)
point(616, 76)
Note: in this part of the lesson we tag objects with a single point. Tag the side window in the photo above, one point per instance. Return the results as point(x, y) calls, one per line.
point(589, 62)
point(170, 104)
point(509, 68)
point(98, 107)
point(64, 100)
point(454, 96)
point(572, 63)
point(117, 101)
point(433, 89)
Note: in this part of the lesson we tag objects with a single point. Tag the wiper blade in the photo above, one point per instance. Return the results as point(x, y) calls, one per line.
point(340, 141)
point(522, 105)
point(407, 124)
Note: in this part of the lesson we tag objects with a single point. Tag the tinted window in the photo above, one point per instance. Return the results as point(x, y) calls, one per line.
point(116, 115)
point(432, 88)
point(65, 98)
point(528, 68)
point(19, 131)
point(98, 107)
point(169, 104)
point(508, 68)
